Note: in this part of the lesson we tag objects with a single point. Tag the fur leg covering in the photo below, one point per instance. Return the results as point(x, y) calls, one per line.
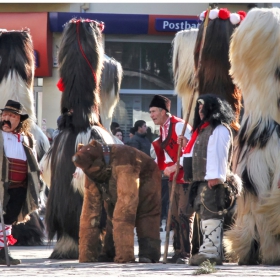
point(125, 212)
point(108, 250)
point(211, 249)
point(90, 243)
point(30, 233)
point(241, 240)
point(149, 250)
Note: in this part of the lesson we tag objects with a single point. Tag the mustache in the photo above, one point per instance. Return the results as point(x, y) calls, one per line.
point(6, 122)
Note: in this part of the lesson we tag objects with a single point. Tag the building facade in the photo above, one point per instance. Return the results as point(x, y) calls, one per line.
point(138, 35)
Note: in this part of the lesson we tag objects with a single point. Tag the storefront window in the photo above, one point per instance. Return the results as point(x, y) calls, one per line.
point(145, 65)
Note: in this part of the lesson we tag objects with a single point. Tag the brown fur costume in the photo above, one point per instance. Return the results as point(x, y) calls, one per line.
point(133, 199)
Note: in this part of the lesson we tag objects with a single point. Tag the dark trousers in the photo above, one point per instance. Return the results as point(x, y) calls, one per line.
point(182, 220)
point(164, 198)
point(16, 199)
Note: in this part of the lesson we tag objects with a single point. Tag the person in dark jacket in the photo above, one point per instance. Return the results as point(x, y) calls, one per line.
point(140, 140)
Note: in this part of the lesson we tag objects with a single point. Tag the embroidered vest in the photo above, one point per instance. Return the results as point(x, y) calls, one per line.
point(171, 146)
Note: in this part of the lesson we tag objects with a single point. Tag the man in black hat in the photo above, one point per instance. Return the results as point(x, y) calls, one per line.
point(166, 150)
point(19, 185)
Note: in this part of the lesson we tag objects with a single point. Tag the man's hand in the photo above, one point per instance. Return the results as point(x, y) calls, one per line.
point(183, 139)
point(168, 170)
point(213, 182)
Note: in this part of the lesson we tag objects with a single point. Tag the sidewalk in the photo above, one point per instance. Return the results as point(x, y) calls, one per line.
point(35, 262)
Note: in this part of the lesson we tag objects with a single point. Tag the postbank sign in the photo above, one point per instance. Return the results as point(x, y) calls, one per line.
point(175, 25)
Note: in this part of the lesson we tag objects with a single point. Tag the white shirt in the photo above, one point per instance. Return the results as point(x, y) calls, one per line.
point(217, 154)
point(13, 148)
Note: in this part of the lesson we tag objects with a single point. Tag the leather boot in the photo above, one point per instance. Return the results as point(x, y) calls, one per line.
point(3, 258)
point(211, 249)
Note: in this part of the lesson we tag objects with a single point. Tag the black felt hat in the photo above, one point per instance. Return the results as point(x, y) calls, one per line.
point(161, 102)
point(16, 108)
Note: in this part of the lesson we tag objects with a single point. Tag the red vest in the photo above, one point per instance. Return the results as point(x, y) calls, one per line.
point(170, 146)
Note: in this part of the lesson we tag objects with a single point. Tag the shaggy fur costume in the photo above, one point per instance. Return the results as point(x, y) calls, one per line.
point(183, 68)
point(132, 182)
point(255, 59)
point(80, 66)
point(16, 83)
point(213, 75)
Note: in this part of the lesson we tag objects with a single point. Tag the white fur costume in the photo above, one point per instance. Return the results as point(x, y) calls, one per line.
point(255, 67)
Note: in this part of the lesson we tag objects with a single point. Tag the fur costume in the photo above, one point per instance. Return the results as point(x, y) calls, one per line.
point(130, 182)
point(16, 83)
point(255, 64)
point(80, 65)
point(213, 75)
point(183, 67)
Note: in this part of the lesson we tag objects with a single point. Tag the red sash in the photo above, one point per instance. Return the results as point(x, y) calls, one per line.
point(17, 172)
point(190, 144)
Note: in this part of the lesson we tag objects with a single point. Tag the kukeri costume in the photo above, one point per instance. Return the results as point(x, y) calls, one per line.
point(206, 157)
point(166, 151)
point(19, 185)
point(254, 50)
point(81, 62)
point(129, 182)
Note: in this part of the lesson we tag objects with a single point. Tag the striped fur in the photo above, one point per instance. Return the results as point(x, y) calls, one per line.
point(255, 60)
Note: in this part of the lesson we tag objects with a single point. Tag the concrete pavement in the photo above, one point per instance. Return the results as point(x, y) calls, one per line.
point(35, 262)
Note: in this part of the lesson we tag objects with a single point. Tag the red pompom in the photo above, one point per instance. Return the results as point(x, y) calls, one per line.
point(242, 15)
point(205, 13)
point(60, 85)
point(224, 13)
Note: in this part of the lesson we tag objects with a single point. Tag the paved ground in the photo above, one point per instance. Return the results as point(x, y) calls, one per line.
point(35, 262)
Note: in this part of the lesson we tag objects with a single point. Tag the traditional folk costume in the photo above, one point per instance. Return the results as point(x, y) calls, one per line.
point(255, 64)
point(212, 71)
point(166, 150)
point(16, 83)
point(206, 157)
point(80, 67)
point(19, 185)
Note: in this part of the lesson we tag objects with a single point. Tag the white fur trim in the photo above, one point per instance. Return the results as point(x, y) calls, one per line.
point(213, 14)
point(234, 18)
point(201, 17)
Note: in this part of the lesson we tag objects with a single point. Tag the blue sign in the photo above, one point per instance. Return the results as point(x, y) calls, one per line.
point(114, 23)
point(175, 25)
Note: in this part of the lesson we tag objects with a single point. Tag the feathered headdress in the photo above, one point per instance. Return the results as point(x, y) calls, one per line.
point(17, 69)
point(80, 62)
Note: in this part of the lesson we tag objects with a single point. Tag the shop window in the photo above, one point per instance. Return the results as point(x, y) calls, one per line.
point(145, 65)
